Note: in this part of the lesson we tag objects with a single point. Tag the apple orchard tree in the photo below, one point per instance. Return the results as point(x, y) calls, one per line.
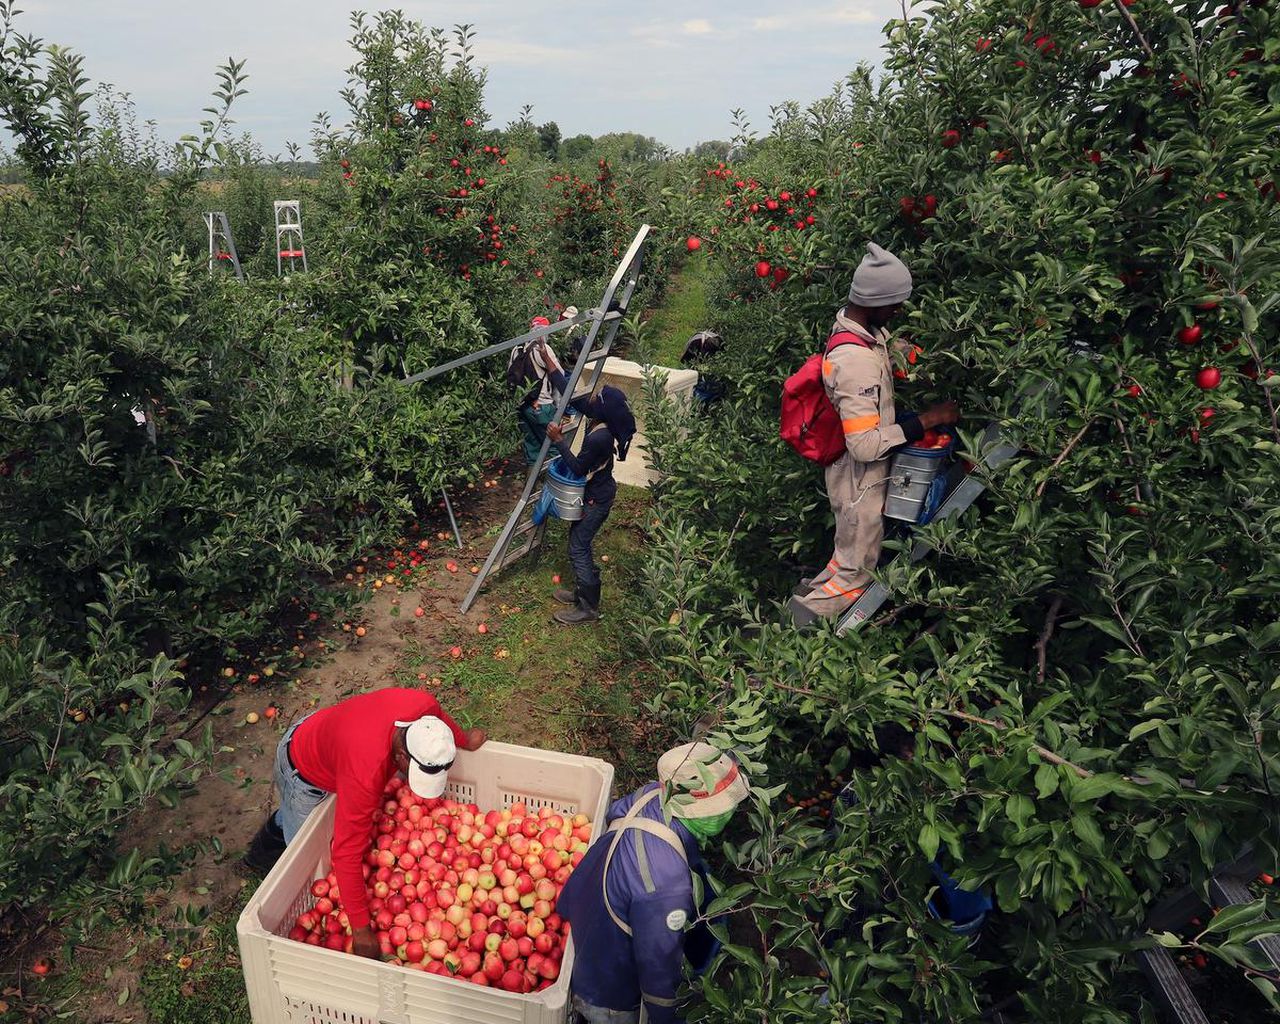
point(1085, 670)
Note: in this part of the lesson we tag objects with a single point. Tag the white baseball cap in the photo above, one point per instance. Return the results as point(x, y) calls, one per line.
point(569, 313)
point(431, 752)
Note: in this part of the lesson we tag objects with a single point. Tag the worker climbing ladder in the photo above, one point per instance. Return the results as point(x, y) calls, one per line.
point(520, 536)
point(222, 247)
point(289, 236)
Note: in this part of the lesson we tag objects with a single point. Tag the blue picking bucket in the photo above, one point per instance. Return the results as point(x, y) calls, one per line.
point(912, 496)
point(965, 911)
point(566, 492)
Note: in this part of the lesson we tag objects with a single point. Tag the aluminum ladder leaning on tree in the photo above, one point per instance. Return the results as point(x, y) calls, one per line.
point(221, 245)
point(997, 450)
point(289, 236)
point(1227, 887)
point(604, 320)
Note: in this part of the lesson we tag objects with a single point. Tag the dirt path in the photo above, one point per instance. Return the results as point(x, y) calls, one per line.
point(525, 680)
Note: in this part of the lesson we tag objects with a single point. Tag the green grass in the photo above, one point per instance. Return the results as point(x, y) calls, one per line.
point(209, 991)
point(531, 680)
point(684, 312)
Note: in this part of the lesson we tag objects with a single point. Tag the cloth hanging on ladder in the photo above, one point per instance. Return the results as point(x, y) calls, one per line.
point(546, 506)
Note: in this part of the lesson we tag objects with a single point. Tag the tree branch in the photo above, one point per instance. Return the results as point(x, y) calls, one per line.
point(1128, 16)
point(1044, 752)
point(1063, 454)
point(1042, 645)
point(794, 689)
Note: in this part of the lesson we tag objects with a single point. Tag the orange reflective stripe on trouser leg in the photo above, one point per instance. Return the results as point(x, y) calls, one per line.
point(861, 424)
point(835, 591)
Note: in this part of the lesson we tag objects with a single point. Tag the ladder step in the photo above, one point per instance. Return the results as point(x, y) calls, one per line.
point(1170, 986)
point(597, 355)
point(1231, 891)
point(515, 554)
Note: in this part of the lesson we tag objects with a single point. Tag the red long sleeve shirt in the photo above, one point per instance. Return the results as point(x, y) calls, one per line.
point(346, 749)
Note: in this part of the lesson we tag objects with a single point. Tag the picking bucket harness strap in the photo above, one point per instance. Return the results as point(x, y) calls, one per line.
point(632, 820)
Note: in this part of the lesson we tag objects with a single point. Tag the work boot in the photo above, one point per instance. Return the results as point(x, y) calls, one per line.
point(566, 596)
point(266, 847)
point(587, 609)
point(801, 616)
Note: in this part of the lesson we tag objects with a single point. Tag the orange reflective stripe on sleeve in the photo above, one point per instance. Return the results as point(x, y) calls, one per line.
point(827, 367)
point(861, 424)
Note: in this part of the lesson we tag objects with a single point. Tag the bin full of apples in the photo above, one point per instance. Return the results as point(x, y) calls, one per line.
point(460, 892)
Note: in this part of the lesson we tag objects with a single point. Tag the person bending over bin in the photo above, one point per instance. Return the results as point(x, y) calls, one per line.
point(631, 900)
point(857, 375)
point(609, 428)
point(353, 749)
point(534, 362)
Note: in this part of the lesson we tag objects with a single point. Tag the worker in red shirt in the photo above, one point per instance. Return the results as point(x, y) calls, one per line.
point(353, 749)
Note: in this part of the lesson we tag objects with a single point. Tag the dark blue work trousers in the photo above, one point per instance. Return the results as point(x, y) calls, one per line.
point(581, 535)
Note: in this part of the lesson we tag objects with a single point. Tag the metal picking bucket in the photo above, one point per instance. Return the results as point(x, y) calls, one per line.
point(566, 491)
point(911, 478)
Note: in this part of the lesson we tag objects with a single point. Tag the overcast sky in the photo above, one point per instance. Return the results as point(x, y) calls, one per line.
point(664, 68)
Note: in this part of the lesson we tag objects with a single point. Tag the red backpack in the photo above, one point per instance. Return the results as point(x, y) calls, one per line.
point(810, 423)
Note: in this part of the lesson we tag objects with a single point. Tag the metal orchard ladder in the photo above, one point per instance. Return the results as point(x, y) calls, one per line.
point(1228, 886)
point(604, 320)
point(222, 246)
point(997, 450)
point(289, 236)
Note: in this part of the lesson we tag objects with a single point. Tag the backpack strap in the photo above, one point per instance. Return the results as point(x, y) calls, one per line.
point(839, 338)
point(632, 820)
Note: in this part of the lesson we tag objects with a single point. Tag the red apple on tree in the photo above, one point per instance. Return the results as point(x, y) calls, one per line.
point(1208, 378)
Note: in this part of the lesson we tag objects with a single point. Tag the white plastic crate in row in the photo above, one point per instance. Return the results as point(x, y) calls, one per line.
point(294, 983)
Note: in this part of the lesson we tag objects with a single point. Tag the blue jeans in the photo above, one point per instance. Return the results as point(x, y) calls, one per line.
point(298, 797)
point(581, 535)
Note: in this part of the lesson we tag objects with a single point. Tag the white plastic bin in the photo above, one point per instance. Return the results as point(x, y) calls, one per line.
point(295, 983)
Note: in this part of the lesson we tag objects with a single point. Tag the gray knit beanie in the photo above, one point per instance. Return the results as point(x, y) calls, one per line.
point(880, 280)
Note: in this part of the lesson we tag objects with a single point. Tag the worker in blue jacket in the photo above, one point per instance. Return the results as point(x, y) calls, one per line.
point(631, 903)
point(609, 429)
